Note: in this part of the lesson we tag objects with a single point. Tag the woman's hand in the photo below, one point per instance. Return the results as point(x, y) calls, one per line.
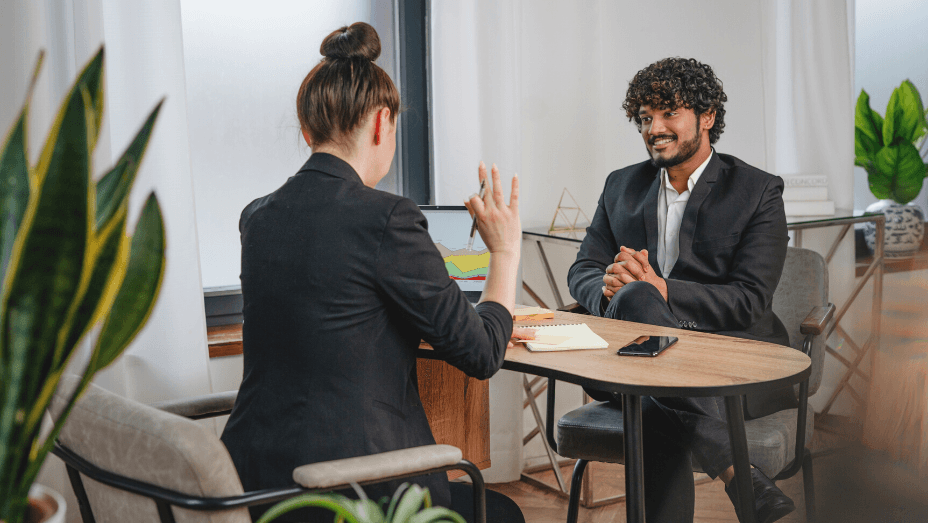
point(501, 231)
point(498, 223)
point(519, 334)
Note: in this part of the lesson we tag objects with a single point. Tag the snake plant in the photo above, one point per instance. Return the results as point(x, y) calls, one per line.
point(67, 268)
point(410, 504)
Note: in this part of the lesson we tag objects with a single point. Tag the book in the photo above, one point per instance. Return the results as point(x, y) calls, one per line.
point(532, 314)
point(816, 180)
point(798, 193)
point(810, 208)
point(565, 337)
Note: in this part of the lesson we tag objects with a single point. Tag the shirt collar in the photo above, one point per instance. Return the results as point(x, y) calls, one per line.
point(691, 182)
point(331, 165)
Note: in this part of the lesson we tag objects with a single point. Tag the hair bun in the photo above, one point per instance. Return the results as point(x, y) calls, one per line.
point(358, 40)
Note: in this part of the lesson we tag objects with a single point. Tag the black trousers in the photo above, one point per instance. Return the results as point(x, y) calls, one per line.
point(674, 429)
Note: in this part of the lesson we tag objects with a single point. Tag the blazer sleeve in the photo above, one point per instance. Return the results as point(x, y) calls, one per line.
point(747, 292)
point(411, 272)
point(585, 277)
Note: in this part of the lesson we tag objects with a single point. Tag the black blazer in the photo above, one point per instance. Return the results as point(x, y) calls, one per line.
point(340, 282)
point(733, 243)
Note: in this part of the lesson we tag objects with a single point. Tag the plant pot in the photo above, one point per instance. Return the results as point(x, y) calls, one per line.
point(905, 228)
point(45, 506)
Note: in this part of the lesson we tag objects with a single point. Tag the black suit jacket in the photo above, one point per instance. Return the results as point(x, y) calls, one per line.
point(340, 283)
point(733, 243)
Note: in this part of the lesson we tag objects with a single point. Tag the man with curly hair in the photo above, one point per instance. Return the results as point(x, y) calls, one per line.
point(691, 239)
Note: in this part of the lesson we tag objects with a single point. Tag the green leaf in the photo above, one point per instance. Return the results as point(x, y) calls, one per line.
point(139, 289)
point(395, 500)
point(14, 181)
point(113, 188)
point(898, 173)
point(92, 78)
point(904, 115)
point(414, 498)
point(337, 503)
point(47, 263)
point(44, 275)
point(868, 128)
point(435, 514)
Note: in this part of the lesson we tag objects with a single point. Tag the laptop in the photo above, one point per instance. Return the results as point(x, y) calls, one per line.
point(449, 227)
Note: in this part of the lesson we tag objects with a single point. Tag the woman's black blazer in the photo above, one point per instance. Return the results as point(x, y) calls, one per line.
point(340, 283)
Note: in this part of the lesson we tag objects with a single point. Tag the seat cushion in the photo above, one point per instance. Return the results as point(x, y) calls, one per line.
point(594, 432)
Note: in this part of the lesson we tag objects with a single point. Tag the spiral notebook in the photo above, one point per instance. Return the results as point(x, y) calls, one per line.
point(568, 336)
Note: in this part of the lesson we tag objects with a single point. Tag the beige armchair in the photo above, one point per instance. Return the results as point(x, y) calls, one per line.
point(133, 462)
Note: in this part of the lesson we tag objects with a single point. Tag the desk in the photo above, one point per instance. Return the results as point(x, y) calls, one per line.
point(873, 270)
point(457, 406)
point(699, 364)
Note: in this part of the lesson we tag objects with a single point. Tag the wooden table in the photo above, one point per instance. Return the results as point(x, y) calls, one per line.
point(699, 364)
point(457, 406)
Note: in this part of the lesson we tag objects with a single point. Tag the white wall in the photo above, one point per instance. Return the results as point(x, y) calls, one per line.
point(890, 46)
point(245, 62)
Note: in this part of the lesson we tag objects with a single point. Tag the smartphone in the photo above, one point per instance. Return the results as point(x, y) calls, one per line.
point(652, 346)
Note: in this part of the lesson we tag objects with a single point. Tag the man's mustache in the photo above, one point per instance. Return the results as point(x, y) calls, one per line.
point(654, 139)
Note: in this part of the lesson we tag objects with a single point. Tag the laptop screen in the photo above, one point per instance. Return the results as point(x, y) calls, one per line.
point(449, 227)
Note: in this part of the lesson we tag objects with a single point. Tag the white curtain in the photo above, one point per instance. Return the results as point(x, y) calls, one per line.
point(144, 63)
point(809, 98)
point(809, 105)
point(476, 114)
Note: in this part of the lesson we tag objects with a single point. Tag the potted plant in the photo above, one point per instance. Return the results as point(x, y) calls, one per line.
point(892, 150)
point(67, 267)
point(404, 507)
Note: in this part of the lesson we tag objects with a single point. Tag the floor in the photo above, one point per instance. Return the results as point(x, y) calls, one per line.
point(853, 484)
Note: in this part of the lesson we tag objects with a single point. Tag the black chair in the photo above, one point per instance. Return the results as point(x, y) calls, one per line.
point(776, 443)
point(132, 462)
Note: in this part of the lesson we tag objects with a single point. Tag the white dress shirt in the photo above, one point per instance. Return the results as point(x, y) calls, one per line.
point(670, 206)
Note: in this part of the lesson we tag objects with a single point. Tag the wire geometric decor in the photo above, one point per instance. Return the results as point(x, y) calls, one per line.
point(566, 219)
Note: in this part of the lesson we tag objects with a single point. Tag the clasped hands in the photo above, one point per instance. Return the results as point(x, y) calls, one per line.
point(631, 265)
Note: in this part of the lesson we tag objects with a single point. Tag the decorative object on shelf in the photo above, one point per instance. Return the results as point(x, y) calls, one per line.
point(410, 503)
point(569, 214)
point(67, 267)
point(904, 230)
point(893, 152)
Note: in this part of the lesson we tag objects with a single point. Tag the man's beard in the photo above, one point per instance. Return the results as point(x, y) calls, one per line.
point(687, 150)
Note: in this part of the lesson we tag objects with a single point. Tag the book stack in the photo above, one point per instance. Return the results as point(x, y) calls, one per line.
point(807, 195)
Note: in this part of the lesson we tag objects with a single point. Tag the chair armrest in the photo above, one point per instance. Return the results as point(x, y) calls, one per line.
point(817, 320)
point(384, 465)
point(198, 407)
point(575, 308)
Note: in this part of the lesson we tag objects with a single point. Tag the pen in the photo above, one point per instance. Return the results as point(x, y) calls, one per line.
point(473, 227)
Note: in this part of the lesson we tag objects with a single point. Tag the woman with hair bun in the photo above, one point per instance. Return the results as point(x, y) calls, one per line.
point(340, 281)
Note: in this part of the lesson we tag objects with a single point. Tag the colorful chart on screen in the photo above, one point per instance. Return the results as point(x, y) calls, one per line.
point(450, 232)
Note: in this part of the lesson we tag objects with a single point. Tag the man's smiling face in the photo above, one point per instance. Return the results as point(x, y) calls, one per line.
point(672, 136)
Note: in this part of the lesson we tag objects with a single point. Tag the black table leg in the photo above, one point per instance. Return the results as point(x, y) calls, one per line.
point(634, 459)
point(739, 451)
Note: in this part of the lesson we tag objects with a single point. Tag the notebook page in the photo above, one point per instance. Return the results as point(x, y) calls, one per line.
point(578, 336)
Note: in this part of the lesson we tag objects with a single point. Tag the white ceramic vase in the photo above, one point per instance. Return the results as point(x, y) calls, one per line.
point(905, 228)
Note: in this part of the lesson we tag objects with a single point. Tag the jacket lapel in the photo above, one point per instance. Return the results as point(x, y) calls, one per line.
point(700, 191)
point(650, 221)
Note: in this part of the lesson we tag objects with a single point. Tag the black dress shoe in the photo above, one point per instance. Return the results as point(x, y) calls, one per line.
point(770, 503)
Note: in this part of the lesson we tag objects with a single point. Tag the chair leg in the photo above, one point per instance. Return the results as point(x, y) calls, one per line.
point(576, 482)
point(480, 490)
point(808, 485)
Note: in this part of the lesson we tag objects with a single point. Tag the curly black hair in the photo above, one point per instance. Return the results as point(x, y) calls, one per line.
point(676, 82)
